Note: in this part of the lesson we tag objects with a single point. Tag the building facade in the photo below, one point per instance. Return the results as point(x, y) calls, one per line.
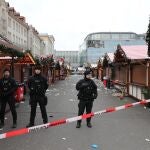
point(95, 45)
point(17, 28)
point(3, 18)
point(49, 43)
point(34, 42)
point(71, 57)
point(13, 26)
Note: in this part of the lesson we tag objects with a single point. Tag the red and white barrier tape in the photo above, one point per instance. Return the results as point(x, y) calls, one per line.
point(68, 120)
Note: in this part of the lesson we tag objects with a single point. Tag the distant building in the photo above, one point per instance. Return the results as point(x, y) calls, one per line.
point(49, 43)
point(13, 26)
point(34, 42)
point(3, 18)
point(97, 44)
point(71, 57)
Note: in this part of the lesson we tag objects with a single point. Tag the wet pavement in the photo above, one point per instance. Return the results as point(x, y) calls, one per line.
point(122, 130)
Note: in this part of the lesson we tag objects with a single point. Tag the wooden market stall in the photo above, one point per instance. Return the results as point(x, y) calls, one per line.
point(108, 65)
point(24, 67)
point(9, 53)
point(132, 71)
point(100, 69)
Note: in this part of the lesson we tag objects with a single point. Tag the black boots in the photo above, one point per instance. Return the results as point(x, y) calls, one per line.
point(78, 125)
point(1, 125)
point(89, 124)
point(14, 125)
point(29, 125)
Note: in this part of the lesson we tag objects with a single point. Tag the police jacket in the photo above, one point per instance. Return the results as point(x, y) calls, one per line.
point(37, 85)
point(7, 87)
point(87, 90)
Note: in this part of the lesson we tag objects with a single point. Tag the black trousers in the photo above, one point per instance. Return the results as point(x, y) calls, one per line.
point(11, 102)
point(34, 100)
point(85, 105)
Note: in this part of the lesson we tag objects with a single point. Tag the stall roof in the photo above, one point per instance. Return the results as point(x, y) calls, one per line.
point(27, 59)
point(135, 52)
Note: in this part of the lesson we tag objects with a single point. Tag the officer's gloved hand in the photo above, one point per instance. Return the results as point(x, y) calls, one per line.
point(95, 95)
point(32, 90)
point(3, 94)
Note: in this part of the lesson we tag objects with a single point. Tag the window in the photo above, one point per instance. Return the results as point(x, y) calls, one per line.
point(22, 30)
point(9, 21)
point(9, 35)
point(105, 36)
point(14, 39)
point(115, 36)
point(3, 12)
point(24, 42)
point(14, 25)
point(25, 32)
point(19, 28)
point(19, 41)
point(125, 36)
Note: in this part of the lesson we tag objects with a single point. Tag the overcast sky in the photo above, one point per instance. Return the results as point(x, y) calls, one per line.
point(71, 20)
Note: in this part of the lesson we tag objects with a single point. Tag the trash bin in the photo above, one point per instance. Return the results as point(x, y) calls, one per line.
point(146, 93)
point(19, 93)
point(105, 81)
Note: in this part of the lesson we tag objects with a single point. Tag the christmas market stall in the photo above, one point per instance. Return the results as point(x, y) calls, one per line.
point(9, 54)
point(48, 65)
point(107, 67)
point(100, 69)
point(24, 67)
point(131, 70)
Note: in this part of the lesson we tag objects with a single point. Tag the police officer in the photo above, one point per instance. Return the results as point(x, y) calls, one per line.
point(7, 88)
point(87, 93)
point(37, 85)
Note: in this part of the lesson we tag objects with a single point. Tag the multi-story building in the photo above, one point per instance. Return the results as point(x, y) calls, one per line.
point(43, 47)
point(34, 42)
point(71, 57)
point(49, 43)
point(3, 18)
point(95, 45)
point(16, 30)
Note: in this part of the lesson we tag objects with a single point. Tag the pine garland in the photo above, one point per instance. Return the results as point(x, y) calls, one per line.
point(10, 51)
point(44, 60)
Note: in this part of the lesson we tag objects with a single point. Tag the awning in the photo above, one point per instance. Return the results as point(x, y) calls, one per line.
point(27, 59)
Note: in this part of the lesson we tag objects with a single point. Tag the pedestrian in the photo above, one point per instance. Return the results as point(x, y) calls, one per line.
point(37, 85)
point(7, 88)
point(87, 93)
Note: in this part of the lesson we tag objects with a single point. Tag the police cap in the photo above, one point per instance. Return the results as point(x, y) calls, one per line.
point(6, 69)
point(87, 72)
point(38, 67)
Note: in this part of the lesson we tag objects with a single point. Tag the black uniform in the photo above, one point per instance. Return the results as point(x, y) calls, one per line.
point(7, 89)
point(38, 86)
point(87, 93)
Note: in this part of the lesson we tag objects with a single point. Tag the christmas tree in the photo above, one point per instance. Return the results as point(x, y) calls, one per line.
point(148, 38)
